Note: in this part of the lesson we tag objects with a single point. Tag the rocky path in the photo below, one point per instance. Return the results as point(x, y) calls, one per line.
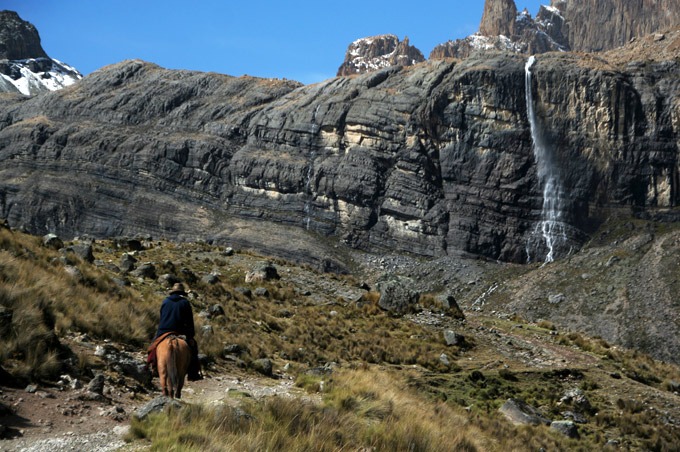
point(50, 420)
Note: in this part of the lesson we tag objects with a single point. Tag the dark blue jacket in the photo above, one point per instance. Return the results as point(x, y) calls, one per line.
point(176, 315)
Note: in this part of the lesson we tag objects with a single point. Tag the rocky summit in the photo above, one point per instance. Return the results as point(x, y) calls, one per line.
point(378, 52)
point(25, 68)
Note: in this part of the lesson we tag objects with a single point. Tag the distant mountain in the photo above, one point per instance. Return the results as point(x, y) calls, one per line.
point(24, 66)
point(504, 28)
point(377, 52)
point(576, 25)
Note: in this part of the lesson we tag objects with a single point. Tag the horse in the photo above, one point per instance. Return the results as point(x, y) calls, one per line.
point(173, 357)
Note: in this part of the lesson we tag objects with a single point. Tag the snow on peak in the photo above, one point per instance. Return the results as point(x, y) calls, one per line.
point(36, 75)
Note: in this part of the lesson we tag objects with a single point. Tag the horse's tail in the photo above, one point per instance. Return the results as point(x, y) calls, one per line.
point(173, 374)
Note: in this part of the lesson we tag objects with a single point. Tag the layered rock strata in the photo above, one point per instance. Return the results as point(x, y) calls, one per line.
point(431, 159)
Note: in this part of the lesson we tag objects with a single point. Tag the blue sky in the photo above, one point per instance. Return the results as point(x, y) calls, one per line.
point(299, 40)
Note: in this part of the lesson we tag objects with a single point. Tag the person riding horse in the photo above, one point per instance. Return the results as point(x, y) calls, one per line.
point(177, 317)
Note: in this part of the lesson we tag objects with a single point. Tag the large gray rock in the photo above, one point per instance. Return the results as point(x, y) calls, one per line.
point(397, 294)
point(156, 405)
point(567, 428)
point(520, 413)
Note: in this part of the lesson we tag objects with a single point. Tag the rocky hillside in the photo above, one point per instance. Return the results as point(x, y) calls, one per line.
point(378, 52)
point(76, 316)
point(24, 66)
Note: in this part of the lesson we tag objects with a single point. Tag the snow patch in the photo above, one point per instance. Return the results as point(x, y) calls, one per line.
point(23, 78)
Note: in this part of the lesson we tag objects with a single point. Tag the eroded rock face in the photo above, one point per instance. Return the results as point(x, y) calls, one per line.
point(595, 25)
point(428, 159)
point(378, 52)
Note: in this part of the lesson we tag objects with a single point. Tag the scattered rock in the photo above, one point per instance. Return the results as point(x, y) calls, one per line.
point(207, 330)
point(74, 272)
point(264, 366)
point(444, 359)
point(576, 417)
point(147, 271)
point(156, 406)
point(266, 272)
point(229, 251)
point(556, 299)
point(168, 280)
point(453, 338)
point(244, 291)
point(215, 310)
point(52, 241)
point(520, 413)
point(397, 295)
point(82, 250)
point(127, 263)
point(31, 389)
point(210, 279)
point(567, 428)
point(449, 306)
point(261, 292)
point(96, 385)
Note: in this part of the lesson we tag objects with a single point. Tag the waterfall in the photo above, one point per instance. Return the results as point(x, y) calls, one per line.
point(552, 229)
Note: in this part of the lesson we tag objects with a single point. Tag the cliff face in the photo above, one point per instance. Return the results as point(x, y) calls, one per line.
point(595, 25)
point(19, 40)
point(431, 159)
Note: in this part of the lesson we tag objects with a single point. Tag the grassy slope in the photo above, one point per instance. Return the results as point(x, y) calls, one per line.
point(389, 390)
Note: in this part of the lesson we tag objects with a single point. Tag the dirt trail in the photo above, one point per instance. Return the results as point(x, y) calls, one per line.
point(51, 419)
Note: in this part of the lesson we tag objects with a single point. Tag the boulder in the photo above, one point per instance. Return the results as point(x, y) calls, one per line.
point(397, 295)
point(215, 310)
point(147, 271)
point(127, 263)
point(567, 428)
point(264, 366)
point(450, 306)
point(82, 250)
point(156, 405)
point(453, 338)
point(210, 279)
point(265, 272)
point(96, 385)
point(520, 413)
point(52, 241)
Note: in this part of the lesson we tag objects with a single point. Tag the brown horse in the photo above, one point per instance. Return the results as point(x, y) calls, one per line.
point(173, 357)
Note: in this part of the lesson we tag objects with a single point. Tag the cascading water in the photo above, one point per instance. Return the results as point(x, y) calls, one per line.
point(551, 230)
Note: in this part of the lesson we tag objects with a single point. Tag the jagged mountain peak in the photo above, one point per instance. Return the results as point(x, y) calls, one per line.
point(19, 40)
point(377, 52)
point(24, 66)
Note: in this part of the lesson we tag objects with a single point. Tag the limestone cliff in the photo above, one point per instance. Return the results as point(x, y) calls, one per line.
point(594, 25)
point(431, 159)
